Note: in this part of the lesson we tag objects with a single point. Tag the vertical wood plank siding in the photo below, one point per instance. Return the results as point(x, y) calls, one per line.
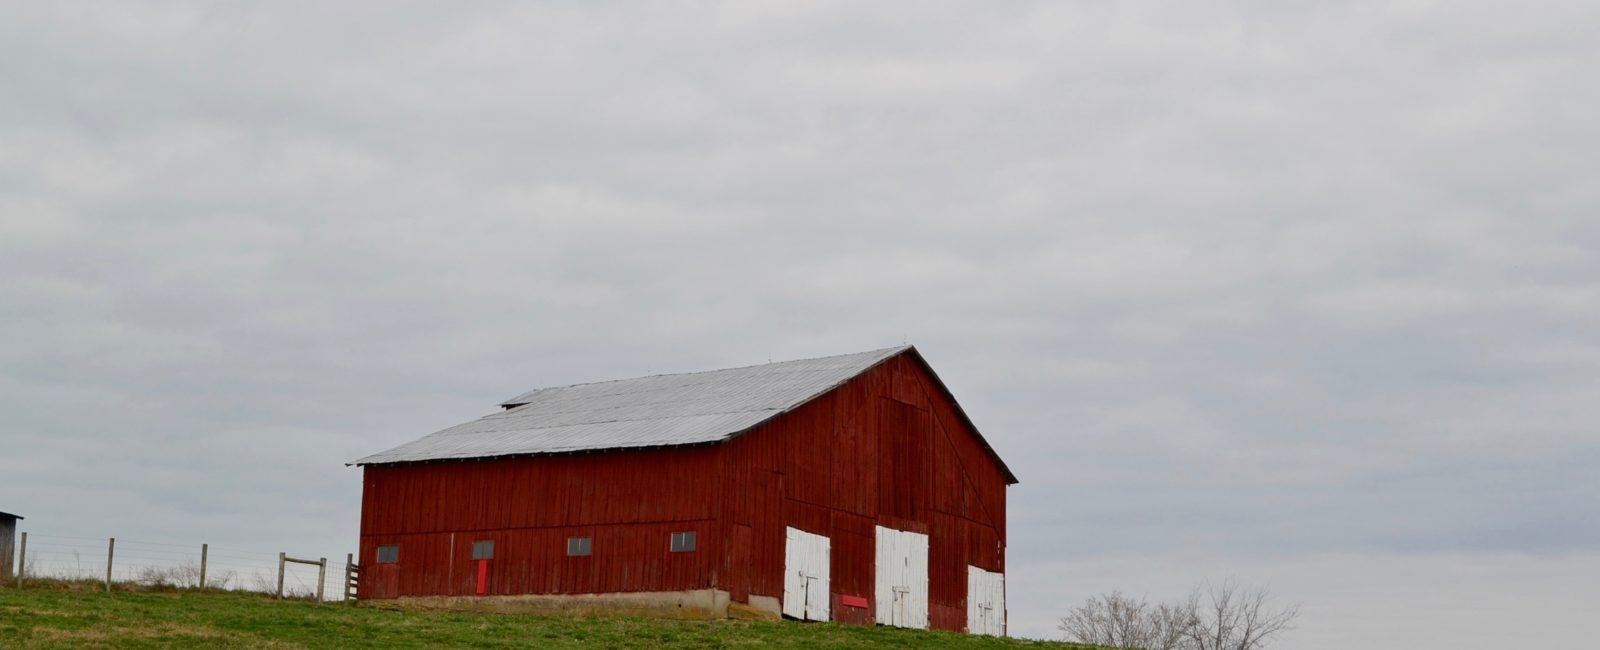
point(886, 448)
point(629, 503)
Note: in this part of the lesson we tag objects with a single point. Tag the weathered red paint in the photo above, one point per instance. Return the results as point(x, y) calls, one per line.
point(628, 502)
point(889, 447)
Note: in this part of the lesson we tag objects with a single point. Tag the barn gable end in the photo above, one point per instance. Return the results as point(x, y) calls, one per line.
point(890, 448)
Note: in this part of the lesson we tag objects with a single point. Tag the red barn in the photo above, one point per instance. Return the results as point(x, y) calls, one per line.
point(849, 488)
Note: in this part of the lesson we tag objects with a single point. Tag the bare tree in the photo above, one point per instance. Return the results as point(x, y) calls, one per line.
point(1170, 625)
point(1223, 617)
point(1119, 621)
point(1229, 617)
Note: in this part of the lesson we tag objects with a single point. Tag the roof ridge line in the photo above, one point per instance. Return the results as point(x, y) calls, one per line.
point(579, 424)
point(702, 372)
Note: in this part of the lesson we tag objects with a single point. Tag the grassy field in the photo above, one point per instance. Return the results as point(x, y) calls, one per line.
point(46, 617)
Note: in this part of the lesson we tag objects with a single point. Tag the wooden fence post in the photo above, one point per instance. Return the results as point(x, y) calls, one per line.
point(22, 560)
point(349, 567)
point(203, 552)
point(322, 576)
point(280, 573)
point(111, 552)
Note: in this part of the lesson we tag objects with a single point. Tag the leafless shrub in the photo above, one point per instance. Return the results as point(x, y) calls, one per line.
point(263, 584)
point(269, 584)
point(174, 577)
point(223, 579)
point(1220, 617)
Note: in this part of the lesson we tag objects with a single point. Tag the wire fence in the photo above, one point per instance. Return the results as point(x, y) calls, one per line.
point(152, 564)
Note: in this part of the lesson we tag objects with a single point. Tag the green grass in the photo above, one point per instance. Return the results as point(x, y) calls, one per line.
point(64, 617)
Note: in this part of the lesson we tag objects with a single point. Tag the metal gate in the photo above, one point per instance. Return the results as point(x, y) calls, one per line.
point(986, 602)
point(805, 578)
point(902, 587)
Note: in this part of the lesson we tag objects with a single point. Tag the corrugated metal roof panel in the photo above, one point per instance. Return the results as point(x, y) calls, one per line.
point(660, 410)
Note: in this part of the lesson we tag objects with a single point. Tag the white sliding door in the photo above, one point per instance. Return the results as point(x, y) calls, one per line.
point(902, 586)
point(805, 578)
point(986, 602)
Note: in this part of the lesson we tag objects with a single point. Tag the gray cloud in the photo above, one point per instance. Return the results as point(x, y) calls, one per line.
point(1256, 282)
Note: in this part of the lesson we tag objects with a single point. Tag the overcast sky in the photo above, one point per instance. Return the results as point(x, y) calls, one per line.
point(1298, 293)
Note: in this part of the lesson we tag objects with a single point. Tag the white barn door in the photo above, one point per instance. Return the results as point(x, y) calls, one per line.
point(805, 578)
point(902, 585)
point(986, 602)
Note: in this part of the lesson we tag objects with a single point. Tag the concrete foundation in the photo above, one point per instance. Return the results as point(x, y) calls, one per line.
point(762, 607)
point(759, 609)
point(702, 604)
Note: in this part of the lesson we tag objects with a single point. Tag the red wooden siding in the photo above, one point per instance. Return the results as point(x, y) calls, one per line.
point(629, 503)
point(886, 448)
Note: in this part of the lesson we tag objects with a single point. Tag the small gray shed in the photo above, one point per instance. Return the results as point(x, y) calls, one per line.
point(8, 544)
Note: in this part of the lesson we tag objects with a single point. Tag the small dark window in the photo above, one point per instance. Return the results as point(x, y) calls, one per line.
point(577, 546)
point(683, 542)
point(483, 550)
point(388, 554)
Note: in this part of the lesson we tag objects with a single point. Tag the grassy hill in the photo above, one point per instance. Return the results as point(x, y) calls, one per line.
point(48, 618)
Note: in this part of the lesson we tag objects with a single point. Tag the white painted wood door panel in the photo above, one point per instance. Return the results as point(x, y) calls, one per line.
point(805, 579)
point(986, 602)
point(902, 582)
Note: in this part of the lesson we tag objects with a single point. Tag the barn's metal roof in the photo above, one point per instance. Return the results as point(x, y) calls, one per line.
point(661, 410)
